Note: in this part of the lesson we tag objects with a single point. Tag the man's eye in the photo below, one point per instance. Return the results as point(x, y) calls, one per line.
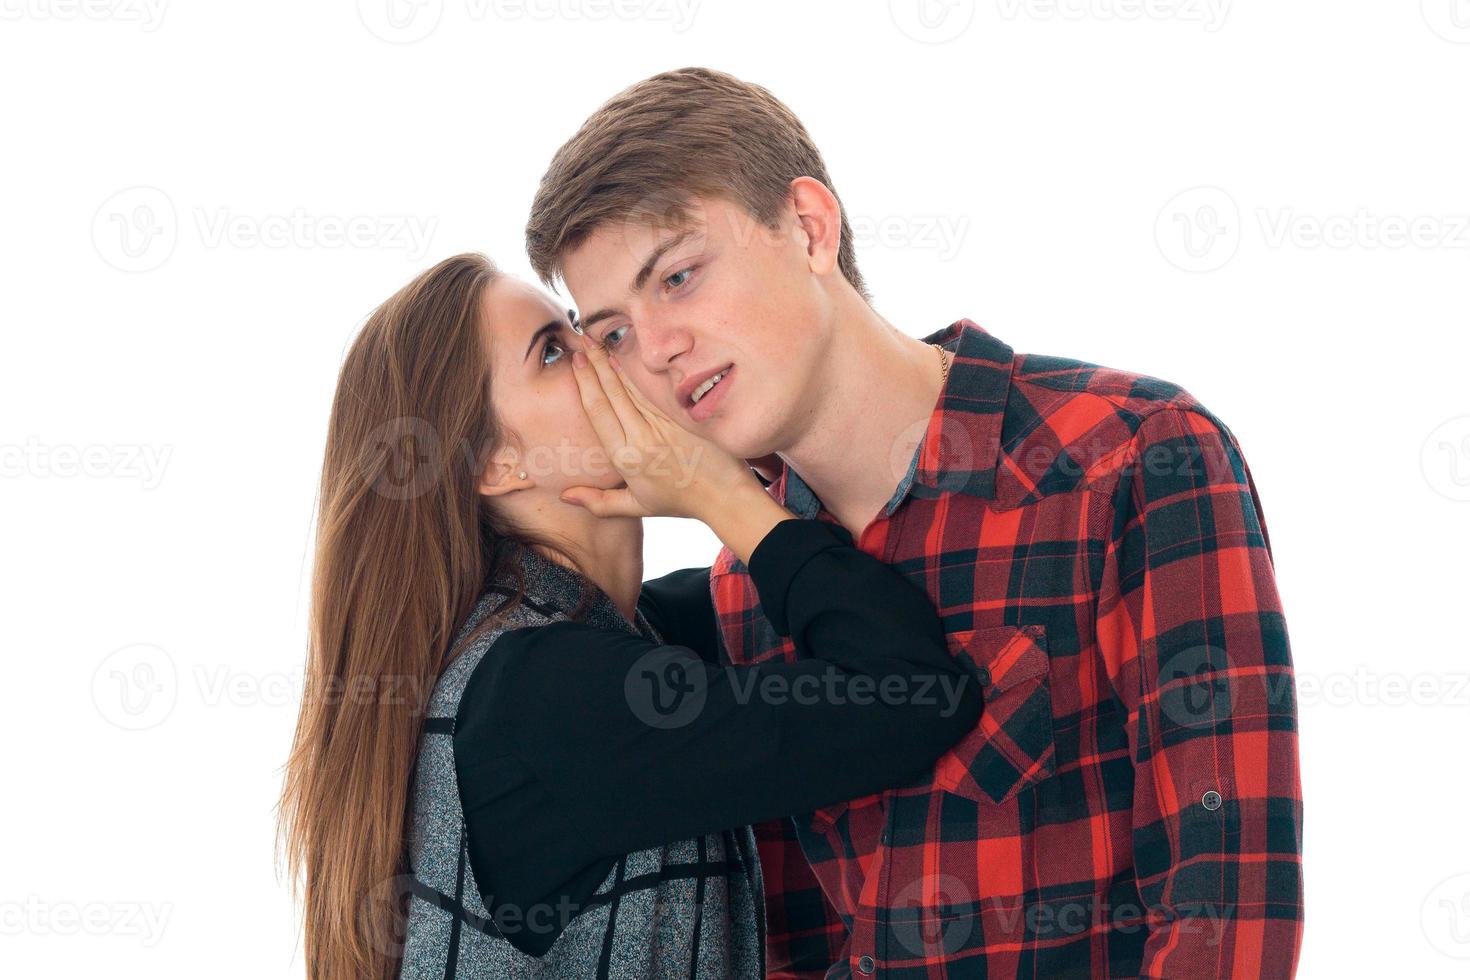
point(552, 345)
point(679, 278)
point(613, 337)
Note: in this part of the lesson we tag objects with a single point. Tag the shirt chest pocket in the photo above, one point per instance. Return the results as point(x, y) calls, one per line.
point(1013, 746)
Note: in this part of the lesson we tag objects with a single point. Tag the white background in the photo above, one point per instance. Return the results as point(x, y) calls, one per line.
point(1263, 201)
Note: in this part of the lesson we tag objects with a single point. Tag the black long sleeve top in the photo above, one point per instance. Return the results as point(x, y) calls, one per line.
point(574, 745)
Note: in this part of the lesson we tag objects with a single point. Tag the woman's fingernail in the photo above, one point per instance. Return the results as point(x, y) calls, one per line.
point(579, 359)
point(613, 360)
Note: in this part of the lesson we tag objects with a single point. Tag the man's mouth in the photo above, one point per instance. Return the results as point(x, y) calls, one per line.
point(704, 389)
point(703, 399)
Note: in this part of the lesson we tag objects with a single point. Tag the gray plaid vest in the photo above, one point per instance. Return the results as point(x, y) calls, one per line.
point(694, 908)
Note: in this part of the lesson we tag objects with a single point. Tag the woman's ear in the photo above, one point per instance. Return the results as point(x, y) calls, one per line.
point(503, 474)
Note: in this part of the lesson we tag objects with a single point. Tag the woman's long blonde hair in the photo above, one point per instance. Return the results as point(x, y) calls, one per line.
point(405, 545)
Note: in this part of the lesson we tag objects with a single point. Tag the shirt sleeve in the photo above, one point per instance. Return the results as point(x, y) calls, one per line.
point(680, 607)
point(638, 744)
point(1191, 632)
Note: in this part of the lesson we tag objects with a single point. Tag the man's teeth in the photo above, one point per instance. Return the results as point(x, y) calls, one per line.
point(703, 389)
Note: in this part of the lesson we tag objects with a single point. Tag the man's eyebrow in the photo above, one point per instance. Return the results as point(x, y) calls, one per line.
point(641, 279)
point(554, 326)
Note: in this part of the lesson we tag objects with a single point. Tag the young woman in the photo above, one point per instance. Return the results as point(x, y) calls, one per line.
point(514, 757)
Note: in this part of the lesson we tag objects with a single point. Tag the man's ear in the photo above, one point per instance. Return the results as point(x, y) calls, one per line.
point(819, 217)
point(503, 473)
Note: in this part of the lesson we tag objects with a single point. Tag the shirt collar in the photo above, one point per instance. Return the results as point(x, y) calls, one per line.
point(555, 585)
point(960, 449)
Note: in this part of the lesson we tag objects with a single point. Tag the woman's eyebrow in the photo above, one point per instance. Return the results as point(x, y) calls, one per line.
point(553, 327)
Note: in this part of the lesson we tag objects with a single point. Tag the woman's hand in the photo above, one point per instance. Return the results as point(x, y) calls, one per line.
point(668, 470)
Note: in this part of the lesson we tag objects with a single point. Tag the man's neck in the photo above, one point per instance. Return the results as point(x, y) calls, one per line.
point(879, 388)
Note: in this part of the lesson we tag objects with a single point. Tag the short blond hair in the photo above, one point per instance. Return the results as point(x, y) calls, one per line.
point(649, 150)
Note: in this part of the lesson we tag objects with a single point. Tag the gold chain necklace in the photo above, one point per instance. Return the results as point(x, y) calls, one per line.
point(943, 367)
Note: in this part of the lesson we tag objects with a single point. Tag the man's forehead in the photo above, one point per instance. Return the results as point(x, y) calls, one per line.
point(613, 254)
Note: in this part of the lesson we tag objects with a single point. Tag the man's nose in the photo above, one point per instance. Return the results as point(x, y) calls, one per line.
point(661, 339)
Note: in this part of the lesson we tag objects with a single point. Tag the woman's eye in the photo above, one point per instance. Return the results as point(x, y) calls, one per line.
point(679, 278)
point(552, 345)
point(614, 337)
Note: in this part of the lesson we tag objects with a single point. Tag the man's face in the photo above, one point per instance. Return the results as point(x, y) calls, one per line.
point(720, 292)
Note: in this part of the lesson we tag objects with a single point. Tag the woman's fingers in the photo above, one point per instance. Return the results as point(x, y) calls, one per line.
point(637, 397)
point(635, 426)
point(595, 403)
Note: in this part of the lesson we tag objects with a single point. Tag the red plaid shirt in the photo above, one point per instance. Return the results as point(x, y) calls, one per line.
point(1130, 804)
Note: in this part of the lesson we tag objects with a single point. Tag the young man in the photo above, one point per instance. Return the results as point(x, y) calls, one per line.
point(1130, 803)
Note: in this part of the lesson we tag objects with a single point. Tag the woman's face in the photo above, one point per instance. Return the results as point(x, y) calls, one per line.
point(534, 395)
